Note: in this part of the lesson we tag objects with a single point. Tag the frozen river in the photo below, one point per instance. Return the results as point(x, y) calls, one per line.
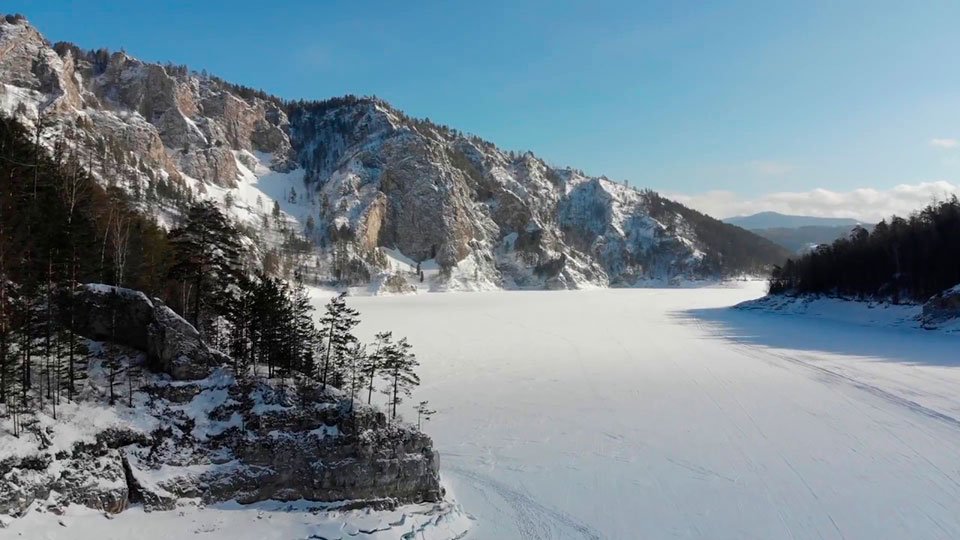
point(657, 413)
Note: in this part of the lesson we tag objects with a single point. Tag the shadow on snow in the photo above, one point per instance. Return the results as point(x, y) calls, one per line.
point(809, 333)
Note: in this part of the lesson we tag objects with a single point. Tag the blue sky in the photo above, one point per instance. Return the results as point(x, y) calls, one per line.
point(743, 98)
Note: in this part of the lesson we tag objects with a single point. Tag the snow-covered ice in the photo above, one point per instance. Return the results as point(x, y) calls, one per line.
point(642, 413)
point(662, 413)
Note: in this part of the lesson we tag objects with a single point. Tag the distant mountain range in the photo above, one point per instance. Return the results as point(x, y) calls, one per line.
point(776, 220)
point(798, 234)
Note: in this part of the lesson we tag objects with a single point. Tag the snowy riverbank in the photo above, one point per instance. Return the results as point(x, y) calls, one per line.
point(844, 310)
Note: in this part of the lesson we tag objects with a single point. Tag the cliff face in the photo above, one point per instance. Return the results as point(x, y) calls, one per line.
point(361, 170)
point(190, 429)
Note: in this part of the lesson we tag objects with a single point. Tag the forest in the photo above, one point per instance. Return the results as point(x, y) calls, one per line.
point(901, 260)
point(60, 228)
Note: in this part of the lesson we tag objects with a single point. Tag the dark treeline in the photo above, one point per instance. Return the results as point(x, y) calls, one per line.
point(901, 260)
point(58, 228)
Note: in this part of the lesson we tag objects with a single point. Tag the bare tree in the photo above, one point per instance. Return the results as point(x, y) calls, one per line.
point(120, 237)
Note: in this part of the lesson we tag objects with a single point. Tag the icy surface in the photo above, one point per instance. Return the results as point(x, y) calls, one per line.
point(664, 414)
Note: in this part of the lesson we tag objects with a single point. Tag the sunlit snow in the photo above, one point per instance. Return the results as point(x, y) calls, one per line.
point(660, 413)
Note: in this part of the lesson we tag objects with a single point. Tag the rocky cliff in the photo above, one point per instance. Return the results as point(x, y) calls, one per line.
point(357, 174)
point(162, 419)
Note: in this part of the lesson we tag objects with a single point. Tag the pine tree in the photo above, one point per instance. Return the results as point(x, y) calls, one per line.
point(336, 338)
point(374, 363)
point(268, 311)
point(207, 255)
point(355, 377)
point(424, 413)
point(399, 364)
point(303, 333)
point(239, 316)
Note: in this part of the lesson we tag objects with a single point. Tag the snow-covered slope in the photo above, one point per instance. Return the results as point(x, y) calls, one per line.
point(354, 176)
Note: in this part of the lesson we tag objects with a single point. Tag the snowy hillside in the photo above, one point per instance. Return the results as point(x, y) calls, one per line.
point(353, 177)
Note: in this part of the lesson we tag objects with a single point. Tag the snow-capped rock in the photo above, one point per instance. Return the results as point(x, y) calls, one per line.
point(353, 170)
point(189, 429)
point(943, 309)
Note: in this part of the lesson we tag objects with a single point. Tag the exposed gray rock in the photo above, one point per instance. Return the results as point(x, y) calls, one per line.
point(320, 451)
point(489, 218)
point(95, 482)
point(114, 314)
point(212, 437)
point(128, 317)
point(175, 347)
point(941, 308)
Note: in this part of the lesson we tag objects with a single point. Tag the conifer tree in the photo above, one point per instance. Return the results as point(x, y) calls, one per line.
point(373, 363)
point(303, 333)
point(424, 413)
point(336, 325)
point(354, 374)
point(207, 256)
point(398, 370)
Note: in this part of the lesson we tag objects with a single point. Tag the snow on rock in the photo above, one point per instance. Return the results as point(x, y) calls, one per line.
point(837, 309)
point(180, 432)
point(943, 310)
point(345, 169)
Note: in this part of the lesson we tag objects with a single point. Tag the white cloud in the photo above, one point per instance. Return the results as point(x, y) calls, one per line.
point(944, 143)
point(866, 204)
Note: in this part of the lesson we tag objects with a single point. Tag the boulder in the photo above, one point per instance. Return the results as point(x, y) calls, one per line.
point(129, 318)
point(174, 347)
point(941, 308)
point(114, 314)
point(95, 482)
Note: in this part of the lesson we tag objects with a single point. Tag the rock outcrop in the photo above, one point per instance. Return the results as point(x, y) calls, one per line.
point(190, 429)
point(372, 175)
point(942, 308)
point(322, 452)
point(129, 318)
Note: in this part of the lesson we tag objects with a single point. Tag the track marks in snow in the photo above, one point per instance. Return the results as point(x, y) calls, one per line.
point(534, 520)
point(834, 376)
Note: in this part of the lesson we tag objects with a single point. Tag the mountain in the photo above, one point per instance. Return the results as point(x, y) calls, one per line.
point(379, 193)
point(798, 234)
point(775, 220)
point(805, 238)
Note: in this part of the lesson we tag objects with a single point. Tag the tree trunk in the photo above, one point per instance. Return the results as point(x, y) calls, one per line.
point(396, 377)
point(326, 359)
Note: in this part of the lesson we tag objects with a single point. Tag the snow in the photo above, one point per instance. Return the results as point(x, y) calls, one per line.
point(215, 394)
point(635, 413)
point(77, 421)
point(269, 520)
point(660, 413)
point(826, 308)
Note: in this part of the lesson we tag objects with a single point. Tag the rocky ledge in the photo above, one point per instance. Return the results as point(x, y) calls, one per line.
point(942, 309)
point(189, 429)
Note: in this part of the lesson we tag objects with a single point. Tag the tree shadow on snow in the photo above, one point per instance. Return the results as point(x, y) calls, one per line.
point(809, 333)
